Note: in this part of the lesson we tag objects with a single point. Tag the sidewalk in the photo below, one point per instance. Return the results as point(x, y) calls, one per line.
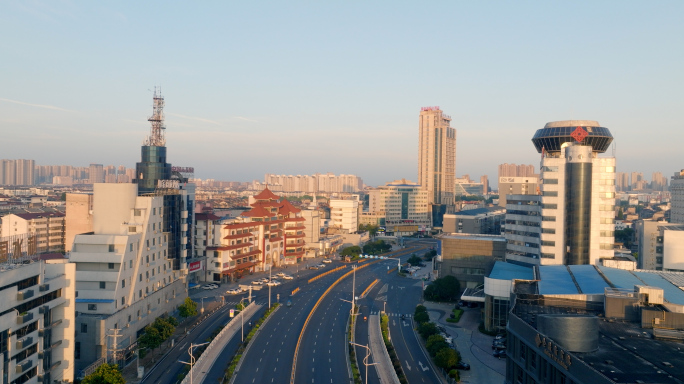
point(474, 346)
point(380, 355)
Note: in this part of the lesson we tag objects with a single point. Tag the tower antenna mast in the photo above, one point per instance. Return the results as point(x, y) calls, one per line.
point(156, 137)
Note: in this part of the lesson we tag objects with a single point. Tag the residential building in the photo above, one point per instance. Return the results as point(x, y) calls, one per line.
point(485, 184)
point(437, 161)
point(660, 245)
point(96, 174)
point(635, 180)
point(523, 229)
point(469, 257)
point(345, 214)
point(677, 197)
point(207, 234)
point(578, 192)
point(124, 277)
point(516, 170)
point(403, 204)
point(271, 233)
point(37, 321)
point(17, 172)
point(622, 182)
point(47, 228)
point(326, 183)
point(485, 221)
point(79, 216)
point(517, 185)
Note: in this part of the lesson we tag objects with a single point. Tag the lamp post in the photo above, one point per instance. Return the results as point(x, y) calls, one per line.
point(270, 268)
point(192, 358)
point(242, 318)
point(365, 359)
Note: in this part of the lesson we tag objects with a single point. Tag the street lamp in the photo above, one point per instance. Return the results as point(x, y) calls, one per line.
point(242, 318)
point(270, 268)
point(192, 358)
point(365, 359)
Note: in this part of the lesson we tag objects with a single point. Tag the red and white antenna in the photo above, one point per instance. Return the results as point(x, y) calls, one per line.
point(156, 137)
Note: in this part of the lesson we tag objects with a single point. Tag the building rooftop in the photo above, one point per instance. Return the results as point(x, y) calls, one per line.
point(508, 271)
point(470, 236)
point(479, 211)
point(555, 134)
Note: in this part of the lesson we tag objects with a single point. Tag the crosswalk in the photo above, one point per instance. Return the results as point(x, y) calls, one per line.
point(407, 315)
point(234, 303)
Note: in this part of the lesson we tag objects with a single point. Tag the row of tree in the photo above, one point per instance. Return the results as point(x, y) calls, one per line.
point(442, 353)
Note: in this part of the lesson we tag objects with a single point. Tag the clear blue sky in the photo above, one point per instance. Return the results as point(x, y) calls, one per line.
point(303, 87)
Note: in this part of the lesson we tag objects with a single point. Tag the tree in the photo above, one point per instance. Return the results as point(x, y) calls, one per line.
point(429, 255)
point(621, 214)
point(372, 229)
point(427, 329)
point(446, 358)
point(421, 317)
point(164, 327)
point(435, 343)
point(173, 321)
point(420, 309)
point(443, 289)
point(151, 339)
point(414, 260)
point(105, 374)
point(352, 251)
point(188, 308)
point(62, 197)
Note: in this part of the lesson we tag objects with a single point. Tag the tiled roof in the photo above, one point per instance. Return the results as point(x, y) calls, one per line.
point(266, 194)
point(287, 208)
point(257, 211)
point(206, 216)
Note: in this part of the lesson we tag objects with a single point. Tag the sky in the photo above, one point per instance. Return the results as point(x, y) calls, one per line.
point(336, 86)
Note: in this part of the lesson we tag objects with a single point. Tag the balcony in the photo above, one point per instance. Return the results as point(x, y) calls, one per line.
point(44, 287)
point(24, 318)
point(21, 368)
point(24, 295)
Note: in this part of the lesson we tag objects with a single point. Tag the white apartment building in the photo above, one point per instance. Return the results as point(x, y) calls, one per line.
point(324, 183)
point(661, 245)
point(37, 322)
point(404, 204)
point(124, 276)
point(345, 215)
point(578, 192)
point(48, 229)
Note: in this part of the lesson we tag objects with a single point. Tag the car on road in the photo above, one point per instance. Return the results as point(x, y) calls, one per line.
point(313, 267)
point(280, 274)
point(273, 283)
point(321, 265)
point(234, 291)
point(463, 366)
point(327, 261)
point(257, 282)
point(210, 286)
point(500, 353)
point(288, 277)
point(264, 279)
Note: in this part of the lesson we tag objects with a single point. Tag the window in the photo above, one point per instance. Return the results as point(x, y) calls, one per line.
point(548, 230)
point(140, 277)
point(77, 350)
point(103, 285)
point(154, 211)
point(84, 328)
point(111, 247)
point(550, 181)
point(130, 246)
point(548, 218)
point(110, 266)
point(92, 307)
point(550, 193)
point(550, 206)
point(129, 318)
point(123, 301)
point(137, 212)
point(132, 229)
point(123, 283)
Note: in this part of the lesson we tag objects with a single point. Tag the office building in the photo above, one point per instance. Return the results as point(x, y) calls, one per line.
point(677, 197)
point(486, 221)
point(578, 192)
point(517, 185)
point(47, 229)
point(437, 161)
point(523, 229)
point(37, 320)
point(469, 257)
point(404, 206)
point(207, 234)
point(124, 276)
point(154, 176)
point(344, 214)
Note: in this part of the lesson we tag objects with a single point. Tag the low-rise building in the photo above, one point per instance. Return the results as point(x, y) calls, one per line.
point(486, 221)
point(469, 257)
point(47, 227)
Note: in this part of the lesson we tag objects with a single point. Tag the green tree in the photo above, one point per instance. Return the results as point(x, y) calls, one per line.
point(427, 329)
point(420, 309)
point(188, 308)
point(414, 260)
point(173, 321)
point(372, 229)
point(352, 251)
point(435, 343)
point(446, 358)
point(621, 214)
point(62, 197)
point(151, 339)
point(429, 255)
point(443, 289)
point(105, 374)
point(421, 317)
point(164, 327)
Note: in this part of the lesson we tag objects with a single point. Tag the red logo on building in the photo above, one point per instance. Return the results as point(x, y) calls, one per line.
point(579, 134)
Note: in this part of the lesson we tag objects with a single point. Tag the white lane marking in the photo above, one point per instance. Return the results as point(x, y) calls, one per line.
point(424, 368)
point(407, 365)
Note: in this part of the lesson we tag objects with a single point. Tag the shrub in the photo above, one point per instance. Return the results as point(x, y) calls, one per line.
point(427, 329)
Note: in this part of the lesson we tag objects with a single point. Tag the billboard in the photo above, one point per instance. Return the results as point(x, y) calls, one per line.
point(195, 266)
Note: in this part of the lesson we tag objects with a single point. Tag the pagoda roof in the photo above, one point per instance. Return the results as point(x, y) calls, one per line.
point(266, 194)
point(257, 211)
point(287, 208)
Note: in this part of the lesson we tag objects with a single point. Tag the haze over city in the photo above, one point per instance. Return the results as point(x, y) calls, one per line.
point(306, 87)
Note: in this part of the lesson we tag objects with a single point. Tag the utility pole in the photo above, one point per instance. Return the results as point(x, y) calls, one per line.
point(114, 348)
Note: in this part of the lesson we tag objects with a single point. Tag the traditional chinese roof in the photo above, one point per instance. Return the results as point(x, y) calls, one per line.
point(286, 208)
point(266, 194)
point(206, 216)
point(257, 211)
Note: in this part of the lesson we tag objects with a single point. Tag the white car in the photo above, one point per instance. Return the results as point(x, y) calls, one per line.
point(264, 280)
point(273, 283)
point(210, 286)
point(288, 277)
point(234, 291)
point(257, 282)
point(327, 261)
point(280, 274)
point(321, 265)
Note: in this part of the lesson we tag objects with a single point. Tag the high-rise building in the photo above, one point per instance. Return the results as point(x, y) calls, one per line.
point(403, 204)
point(96, 174)
point(47, 227)
point(437, 160)
point(514, 170)
point(311, 183)
point(677, 197)
point(17, 172)
point(636, 177)
point(521, 185)
point(485, 184)
point(622, 181)
point(344, 214)
point(578, 192)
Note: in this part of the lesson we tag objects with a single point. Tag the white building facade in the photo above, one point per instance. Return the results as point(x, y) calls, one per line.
point(345, 214)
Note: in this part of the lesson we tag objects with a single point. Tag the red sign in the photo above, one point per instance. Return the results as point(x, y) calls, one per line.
point(579, 134)
point(429, 109)
point(195, 266)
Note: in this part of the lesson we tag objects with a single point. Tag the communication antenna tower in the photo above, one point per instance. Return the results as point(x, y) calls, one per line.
point(156, 137)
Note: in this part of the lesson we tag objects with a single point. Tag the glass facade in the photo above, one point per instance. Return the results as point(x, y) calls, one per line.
point(152, 168)
point(577, 212)
point(551, 139)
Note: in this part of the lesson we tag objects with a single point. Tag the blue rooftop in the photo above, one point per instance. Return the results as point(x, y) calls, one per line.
point(556, 280)
point(508, 271)
point(621, 278)
point(672, 293)
point(588, 279)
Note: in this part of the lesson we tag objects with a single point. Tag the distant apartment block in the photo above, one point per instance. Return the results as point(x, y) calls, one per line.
point(326, 183)
point(677, 197)
point(516, 170)
point(17, 172)
point(47, 229)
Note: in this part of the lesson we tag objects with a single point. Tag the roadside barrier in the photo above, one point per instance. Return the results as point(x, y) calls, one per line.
point(363, 294)
point(325, 274)
point(295, 290)
point(391, 270)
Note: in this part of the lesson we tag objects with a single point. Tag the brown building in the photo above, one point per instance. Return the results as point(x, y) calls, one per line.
point(470, 257)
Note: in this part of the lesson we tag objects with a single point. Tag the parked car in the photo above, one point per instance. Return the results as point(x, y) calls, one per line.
point(462, 303)
point(288, 277)
point(280, 274)
point(463, 366)
point(327, 261)
point(234, 291)
point(210, 286)
point(498, 346)
point(321, 265)
point(313, 267)
point(500, 354)
point(500, 336)
point(257, 282)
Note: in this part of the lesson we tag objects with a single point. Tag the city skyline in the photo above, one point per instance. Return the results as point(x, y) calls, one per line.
point(336, 88)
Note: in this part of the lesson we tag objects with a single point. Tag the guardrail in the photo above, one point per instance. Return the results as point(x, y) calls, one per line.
point(391, 270)
point(325, 274)
point(365, 291)
point(295, 290)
